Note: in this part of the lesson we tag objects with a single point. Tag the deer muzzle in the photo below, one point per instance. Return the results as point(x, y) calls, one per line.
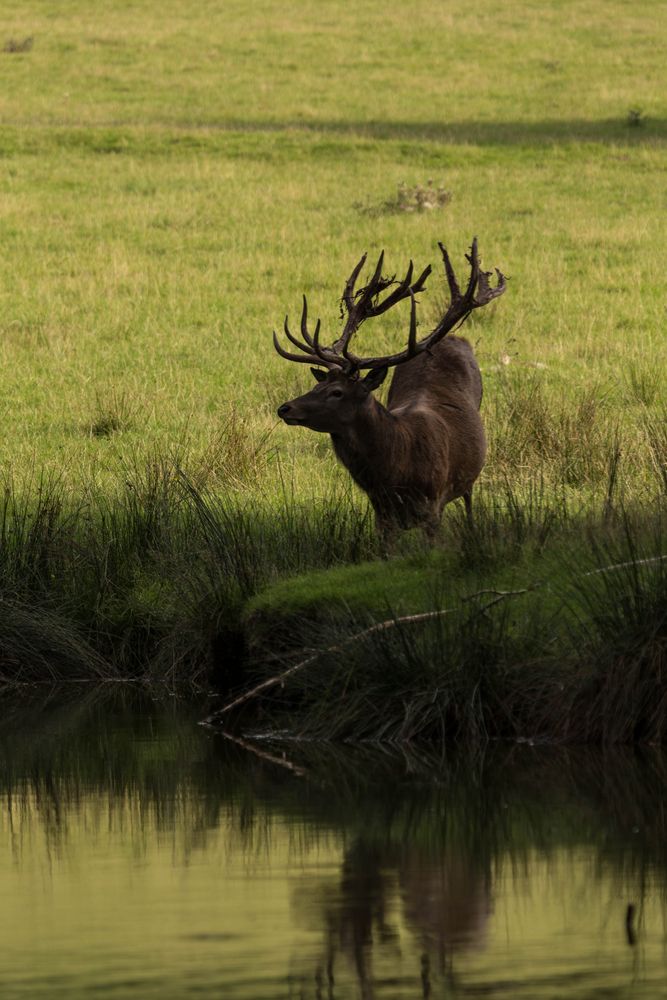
point(286, 412)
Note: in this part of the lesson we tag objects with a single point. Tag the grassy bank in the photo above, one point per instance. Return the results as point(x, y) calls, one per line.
point(544, 621)
point(529, 627)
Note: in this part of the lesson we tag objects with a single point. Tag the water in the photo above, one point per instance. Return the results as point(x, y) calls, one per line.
point(142, 856)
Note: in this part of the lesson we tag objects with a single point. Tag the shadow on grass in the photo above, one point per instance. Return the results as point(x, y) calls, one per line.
point(616, 131)
point(169, 136)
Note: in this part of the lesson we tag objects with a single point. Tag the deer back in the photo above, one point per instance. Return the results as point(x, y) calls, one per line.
point(436, 398)
point(448, 375)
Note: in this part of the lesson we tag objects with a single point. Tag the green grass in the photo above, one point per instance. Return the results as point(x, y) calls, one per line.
point(172, 180)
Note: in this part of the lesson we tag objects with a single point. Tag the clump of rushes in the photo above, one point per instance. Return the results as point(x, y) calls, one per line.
point(114, 412)
point(150, 580)
point(570, 646)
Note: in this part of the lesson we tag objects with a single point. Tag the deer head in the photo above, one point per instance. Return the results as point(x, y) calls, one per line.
point(334, 402)
point(340, 391)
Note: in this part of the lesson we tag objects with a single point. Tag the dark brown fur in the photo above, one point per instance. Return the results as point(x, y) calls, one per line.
point(424, 449)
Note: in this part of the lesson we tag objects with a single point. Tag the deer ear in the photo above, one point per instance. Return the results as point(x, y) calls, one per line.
point(319, 374)
point(375, 378)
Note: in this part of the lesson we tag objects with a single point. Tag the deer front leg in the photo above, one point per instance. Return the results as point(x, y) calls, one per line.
point(467, 499)
point(386, 531)
point(432, 530)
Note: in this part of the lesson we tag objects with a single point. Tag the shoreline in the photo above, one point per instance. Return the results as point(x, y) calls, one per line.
point(525, 627)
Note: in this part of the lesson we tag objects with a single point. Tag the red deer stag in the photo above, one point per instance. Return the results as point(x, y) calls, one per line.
point(427, 446)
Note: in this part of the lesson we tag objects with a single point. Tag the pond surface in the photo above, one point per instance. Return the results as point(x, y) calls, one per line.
point(143, 856)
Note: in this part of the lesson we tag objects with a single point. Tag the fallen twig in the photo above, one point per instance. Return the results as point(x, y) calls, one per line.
point(340, 646)
point(336, 648)
point(625, 565)
point(252, 748)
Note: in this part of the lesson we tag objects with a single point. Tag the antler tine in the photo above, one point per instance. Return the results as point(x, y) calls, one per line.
point(360, 306)
point(419, 283)
point(311, 350)
point(473, 260)
point(316, 338)
point(312, 353)
point(399, 293)
point(377, 282)
point(485, 293)
point(309, 346)
point(404, 288)
point(305, 358)
point(460, 307)
point(357, 310)
point(364, 307)
point(412, 335)
point(454, 290)
point(304, 323)
point(327, 356)
point(321, 357)
point(314, 341)
point(348, 291)
point(290, 336)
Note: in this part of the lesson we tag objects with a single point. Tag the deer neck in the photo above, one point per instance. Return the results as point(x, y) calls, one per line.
point(364, 445)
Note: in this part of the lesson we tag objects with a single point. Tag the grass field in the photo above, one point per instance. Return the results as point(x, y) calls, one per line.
point(172, 180)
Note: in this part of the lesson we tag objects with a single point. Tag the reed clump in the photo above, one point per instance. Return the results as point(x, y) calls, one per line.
point(565, 644)
point(148, 581)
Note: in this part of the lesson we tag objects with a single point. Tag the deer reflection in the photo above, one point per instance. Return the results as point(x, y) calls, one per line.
point(446, 903)
point(390, 902)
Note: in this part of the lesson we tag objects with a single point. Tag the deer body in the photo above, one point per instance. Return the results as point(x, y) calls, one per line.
point(427, 446)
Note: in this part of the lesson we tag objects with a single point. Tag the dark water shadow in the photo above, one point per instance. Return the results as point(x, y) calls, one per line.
point(74, 740)
point(422, 832)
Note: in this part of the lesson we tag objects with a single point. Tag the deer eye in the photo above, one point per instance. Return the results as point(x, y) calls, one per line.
point(336, 393)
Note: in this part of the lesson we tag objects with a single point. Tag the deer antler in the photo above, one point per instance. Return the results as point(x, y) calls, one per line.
point(360, 305)
point(310, 345)
point(366, 303)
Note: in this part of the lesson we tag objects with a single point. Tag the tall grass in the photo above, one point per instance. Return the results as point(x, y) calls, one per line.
point(567, 643)
point(150, 581)
point(154, 577)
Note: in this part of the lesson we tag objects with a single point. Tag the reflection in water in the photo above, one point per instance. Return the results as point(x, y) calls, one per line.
point(142, 856)
point(440, 899)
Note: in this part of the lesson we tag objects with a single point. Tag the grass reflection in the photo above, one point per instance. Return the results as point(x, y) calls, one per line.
point(123, 743)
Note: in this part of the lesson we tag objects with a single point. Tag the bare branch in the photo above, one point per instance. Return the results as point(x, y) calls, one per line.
point(500, 595)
